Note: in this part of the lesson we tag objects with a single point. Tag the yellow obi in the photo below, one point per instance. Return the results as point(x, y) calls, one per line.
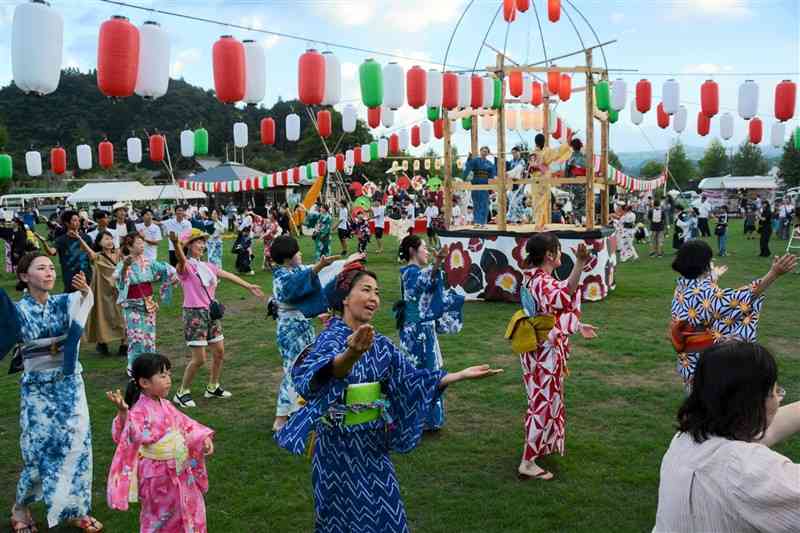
point(527, 334)
point(172, 446)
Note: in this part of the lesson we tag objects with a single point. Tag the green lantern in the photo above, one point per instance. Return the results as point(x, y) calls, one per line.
point(309, 170)
point(370, 76)
point(613, 116)
point(602, 95)
point(797, 138)
point(373, 151)
point(363, 201)
point(497, 103)
point(201, 142)
point(466, 123)
point(6, 168)
point(433, 114)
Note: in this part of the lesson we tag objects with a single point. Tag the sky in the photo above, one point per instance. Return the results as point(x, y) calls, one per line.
point(691, 40)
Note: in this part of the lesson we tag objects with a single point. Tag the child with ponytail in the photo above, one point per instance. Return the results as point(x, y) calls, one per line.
point(159, 460)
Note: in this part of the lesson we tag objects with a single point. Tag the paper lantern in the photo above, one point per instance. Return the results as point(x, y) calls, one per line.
point(322, 167)
point(466, 123)
point(558, 129)
point(349, 117)
point(374, 117)
point(450, 87)
point(403, 137)
point(498, 93)
point(487, 122)
point(796, 137)
point(134, 149)
point(201, 141)
point(349, 158)
point(370, 77)
point(6, 167)
point(476, 91)
point(512, 119)
point(229, 69)
point(523, 5)
point(84, 156)
point(434, 94)
point(33, 163)
point(357, 153)
point(602, 95)
point(292, 127)
point(416, 86)
point(267, 131)
point(324, 123)
point(117, 57)
point(152, 78)
point(464, 91)
point(58, 160)
point(671, 96)
point(537, 93)
point(387, 117)
point(516, 83)
point(240, 134)
point(255, 61)
point(662, 118)
point(681, 116)
point(526, 119)
point(438, 128)
point(709, 98)
point(644, 95)
point(509, 10)
point(553, 10)
point(394, 85)
point(333, 79)
point(311, 77)
point(394, 144)
point(426, 130)
point(415, 136)
point(748, 99)
point(366, 153)
point(105, 154)
point(340, 162)
point(433, 113)
point(619, 94)
point(785, 99)
point(488, 92)
point(331, 167)
point(157, 143)
point(187, 143)
point(553, 81)
point(565, 87)
point(777, 134)
point(527, 90)
point(613, 116)
point(726, 126)
point(383, 147)
point(703, 124)
point(37, 42)
point(755, 131)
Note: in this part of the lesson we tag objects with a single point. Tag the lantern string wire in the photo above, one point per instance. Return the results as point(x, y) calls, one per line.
point(591, 28)
point(486, 36)
point(541, 34)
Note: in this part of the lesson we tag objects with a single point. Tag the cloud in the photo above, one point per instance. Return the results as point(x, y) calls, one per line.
point(617, 17)
point(348, 12)
point(183, 59)
point(706, 68)
point(270, 42)
point(417, 15)
point(726, 8)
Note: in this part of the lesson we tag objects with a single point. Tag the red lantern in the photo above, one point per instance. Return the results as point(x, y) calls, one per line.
point(311, 77)
point(438, 128)
point(509, 10)
point(340, 162)
point(296, 175)
point(661, 117)
point(394, 144)
point(157, 142)
point(229, 73)
point(322, 167)
point(756, 130)
point(450, 90)
point(785, 99)
point(58, 160)
point(415, 136)
point(117, 57)
point(416, 86)
point(565, 87)
point(324, 125)
point(515, 81)
point(403, 182)
point(554, 10)
point(537, 95)
point(357, 155)
point(553, 81)
point(267, 131)
point(703, 124)
point(644, 95)
point(709, 98)
point(106, 154)
point(523, 5)
point(558, 131)
point(476, 100)
point(570, 133)
point(374, 117)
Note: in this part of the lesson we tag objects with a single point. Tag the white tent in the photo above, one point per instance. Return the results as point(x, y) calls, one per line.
point(173, 192)
point(129, 191)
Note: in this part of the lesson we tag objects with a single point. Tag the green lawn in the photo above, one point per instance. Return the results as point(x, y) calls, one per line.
point(622, 396)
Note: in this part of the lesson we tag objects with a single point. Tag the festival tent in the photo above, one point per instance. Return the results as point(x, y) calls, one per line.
point(227, 172)
point(725, 190)
point(173, 192)
point(129, 191)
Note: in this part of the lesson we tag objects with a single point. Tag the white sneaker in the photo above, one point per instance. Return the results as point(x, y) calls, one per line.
point(219, 392)
point(184, 400)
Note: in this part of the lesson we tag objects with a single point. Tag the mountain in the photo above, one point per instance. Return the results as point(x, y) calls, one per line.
point(633, 161)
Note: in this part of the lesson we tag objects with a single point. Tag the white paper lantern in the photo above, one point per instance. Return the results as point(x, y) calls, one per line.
point(403, 137)
point(292, 127)
point(387, 117)
point(255, 61)
point(464, 91)
point(394, 86)
point(349, 115)
point(619, 94)
point(551, 121)
point(349, 158)
point(134, 146)
point(152, 79)
point(434, 89)
point(636, 116)
point(488, 92)
point(681, 116)
point(527, 90)
point(187, 143)
point(512, 118)
point(748, 99)
point(726, 126)
point(333, 79)
point(240, 135)
point(671, 96)
point(487, 122)
point(425, 132)
point(37, 42)
point(33, 163)
point(84, 152)
point(778, 134)
point(383, 147)
point(331, 164)
point(366, 156)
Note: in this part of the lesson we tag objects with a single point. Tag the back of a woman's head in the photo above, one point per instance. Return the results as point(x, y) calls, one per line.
point(693, 259)
point(145, 366)
point(732, 382)
point(538, 246)
point(576, 144)
point(284, 248)
point(410, 242)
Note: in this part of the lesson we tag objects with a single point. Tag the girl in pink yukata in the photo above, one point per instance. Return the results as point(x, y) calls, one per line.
point(159, 460)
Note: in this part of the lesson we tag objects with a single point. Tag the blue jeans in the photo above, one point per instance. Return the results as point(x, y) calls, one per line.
point(480, 206)
point(722, 242)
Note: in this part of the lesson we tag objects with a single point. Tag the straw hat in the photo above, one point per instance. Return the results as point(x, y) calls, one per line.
point(188, 238)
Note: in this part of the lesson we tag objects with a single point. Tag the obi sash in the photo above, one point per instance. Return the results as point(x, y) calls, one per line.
point(40, 355)
point(527, 334)
point(364, 403)
point(140, 290)
point(628, 225)
point(686, 339)
point(480, 177)
point(172, 446)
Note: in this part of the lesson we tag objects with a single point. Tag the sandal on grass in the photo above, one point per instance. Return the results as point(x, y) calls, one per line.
point(88, 524)
point(23, 526)
point(544, 475)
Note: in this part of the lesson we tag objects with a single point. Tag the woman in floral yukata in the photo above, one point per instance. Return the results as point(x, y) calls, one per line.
point(559, 303)
point(425, 309)
point(56, 439)
point(700, 305)
point(364, 399)
point(271, 230)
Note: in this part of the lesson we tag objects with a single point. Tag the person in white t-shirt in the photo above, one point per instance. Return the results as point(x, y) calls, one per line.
point(343, 229)
point(151, 234)
point(704, 210)
point(431, 212)
point(379, 216)
point(102, 220)
point(410, 210)
point(178, 225)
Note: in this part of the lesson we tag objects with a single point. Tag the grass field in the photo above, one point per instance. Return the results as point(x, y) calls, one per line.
point(622, 396)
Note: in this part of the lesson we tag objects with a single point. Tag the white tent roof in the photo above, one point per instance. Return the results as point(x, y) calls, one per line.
point(172, 192)
point(739, 182)
point(129, 191)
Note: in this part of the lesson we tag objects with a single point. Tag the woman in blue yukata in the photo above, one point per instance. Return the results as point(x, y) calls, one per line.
point(425, 309)
point(56, 438)
point(364, 399)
